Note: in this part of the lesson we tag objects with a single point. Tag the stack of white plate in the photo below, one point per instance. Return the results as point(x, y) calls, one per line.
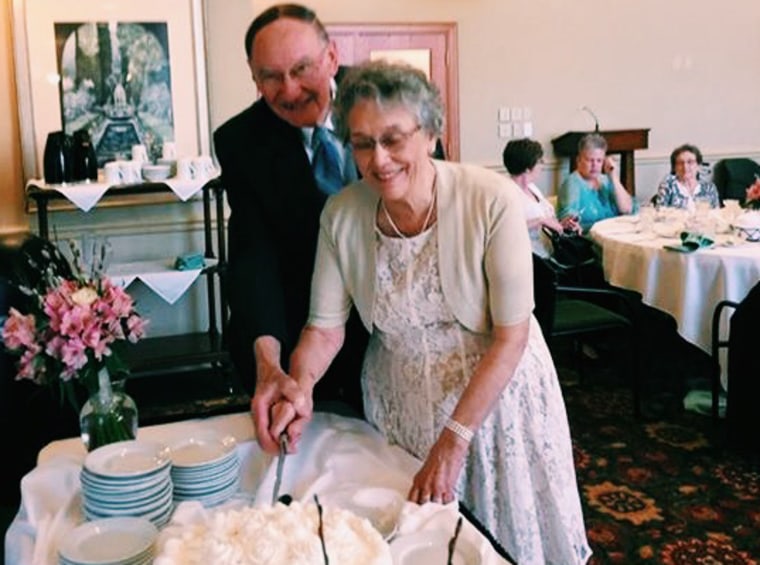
point(128, 478)
point(205, 467)
point(111, 541)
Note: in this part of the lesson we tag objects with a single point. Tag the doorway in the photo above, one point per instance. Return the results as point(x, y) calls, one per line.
point(432, 47)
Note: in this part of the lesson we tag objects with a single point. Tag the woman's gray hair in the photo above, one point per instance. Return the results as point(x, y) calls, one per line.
point(592, 141)
point(389, 84)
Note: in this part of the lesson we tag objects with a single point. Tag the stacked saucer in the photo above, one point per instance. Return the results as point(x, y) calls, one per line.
point(205, 467)
point(110, 541)
point(128, 478)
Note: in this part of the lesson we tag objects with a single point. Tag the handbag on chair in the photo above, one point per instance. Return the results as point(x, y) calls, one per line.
point(570, 250)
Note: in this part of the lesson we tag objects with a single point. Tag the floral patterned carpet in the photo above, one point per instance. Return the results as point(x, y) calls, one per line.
point(662, 489)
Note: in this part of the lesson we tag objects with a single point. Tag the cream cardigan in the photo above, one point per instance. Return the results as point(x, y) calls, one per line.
point(484, 251)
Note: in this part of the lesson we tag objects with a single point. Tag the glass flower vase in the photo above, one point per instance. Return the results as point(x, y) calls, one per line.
point(109, 415)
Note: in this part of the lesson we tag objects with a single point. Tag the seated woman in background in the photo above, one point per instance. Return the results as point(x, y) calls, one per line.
point(522, 158)
point(593, 191)
point(682, 187)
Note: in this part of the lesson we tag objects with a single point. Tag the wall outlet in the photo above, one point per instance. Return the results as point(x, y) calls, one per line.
point(517, 113)
point(505, 131)
point(527, 129)
point(504, 114)
point(518, 129)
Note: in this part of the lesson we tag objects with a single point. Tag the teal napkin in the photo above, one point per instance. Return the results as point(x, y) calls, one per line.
point(189, 261)
point(690, 242)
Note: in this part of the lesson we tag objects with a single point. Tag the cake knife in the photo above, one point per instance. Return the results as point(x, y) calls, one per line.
point(453, 541)
point(280, 465)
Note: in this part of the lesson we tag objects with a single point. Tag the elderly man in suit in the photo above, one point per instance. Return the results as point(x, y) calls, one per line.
point(280, 161)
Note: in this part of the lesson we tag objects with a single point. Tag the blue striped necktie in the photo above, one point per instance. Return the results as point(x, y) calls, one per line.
point(326, 162)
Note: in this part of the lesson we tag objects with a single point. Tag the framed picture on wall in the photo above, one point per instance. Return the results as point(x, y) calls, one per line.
point(126, 71)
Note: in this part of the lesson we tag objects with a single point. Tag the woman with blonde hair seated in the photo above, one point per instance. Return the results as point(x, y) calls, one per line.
point(593, 191)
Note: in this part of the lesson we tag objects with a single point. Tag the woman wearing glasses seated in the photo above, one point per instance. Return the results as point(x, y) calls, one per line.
point(593, 191)
point(683, 188)
point(436, 257)
point(523, 159)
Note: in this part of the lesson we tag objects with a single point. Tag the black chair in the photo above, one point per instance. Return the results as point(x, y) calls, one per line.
point(743, 368)
point(576, 312)
point(717, 343)
point(733, 176)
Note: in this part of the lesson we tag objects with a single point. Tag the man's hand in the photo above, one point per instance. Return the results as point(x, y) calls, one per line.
point(279, 403)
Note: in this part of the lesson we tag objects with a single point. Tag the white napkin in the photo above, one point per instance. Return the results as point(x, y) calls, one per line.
point(171, 285)
point(51, 506)
point(159, 275)
point(443, 517)
point(185, 189)
point(83, 195)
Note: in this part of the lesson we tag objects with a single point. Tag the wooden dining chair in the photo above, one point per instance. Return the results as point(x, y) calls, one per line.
point(577, 312)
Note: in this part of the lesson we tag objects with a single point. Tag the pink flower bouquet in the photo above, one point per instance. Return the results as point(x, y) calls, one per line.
point(74, 324)
point(752, 200)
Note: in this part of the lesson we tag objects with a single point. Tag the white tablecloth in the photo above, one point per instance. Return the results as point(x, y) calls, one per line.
point(334, 453)
point(686, 285)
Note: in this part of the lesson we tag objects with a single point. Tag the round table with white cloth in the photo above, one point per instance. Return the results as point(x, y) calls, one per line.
point(686, 285)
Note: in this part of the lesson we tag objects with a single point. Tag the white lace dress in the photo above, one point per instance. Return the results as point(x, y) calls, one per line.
point(519, 478)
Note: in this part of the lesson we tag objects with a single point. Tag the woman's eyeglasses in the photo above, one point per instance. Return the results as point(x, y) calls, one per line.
point(392, 142)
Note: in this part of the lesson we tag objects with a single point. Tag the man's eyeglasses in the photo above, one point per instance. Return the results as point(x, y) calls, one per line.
point(392, 142)
point(305, 70)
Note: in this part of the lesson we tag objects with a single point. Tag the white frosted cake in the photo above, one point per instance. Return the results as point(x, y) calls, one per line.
point(276, 535)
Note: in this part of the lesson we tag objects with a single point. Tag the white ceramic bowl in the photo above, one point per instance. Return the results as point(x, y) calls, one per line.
point(156, 172)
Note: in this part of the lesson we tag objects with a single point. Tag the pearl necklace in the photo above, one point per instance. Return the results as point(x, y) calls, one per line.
point(425, 225)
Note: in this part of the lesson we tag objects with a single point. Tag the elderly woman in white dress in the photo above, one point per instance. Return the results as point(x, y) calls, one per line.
point(436, 258)
point(523, 159)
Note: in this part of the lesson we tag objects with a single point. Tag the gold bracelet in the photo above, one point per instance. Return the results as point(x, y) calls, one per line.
point(462, 431)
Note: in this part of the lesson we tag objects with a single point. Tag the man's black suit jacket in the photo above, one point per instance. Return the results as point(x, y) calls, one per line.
point(274, 221)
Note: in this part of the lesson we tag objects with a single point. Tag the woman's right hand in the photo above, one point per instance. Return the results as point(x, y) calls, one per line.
point(571, 224)
point(552, 223)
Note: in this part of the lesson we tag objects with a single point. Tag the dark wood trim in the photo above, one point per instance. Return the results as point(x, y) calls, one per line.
point(621, 141)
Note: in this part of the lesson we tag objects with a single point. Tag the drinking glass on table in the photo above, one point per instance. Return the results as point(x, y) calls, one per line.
point(647, 214)
point(702, 206)
point(731, 209)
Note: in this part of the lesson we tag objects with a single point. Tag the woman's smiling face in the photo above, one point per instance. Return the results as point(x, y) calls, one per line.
point(389, 147)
